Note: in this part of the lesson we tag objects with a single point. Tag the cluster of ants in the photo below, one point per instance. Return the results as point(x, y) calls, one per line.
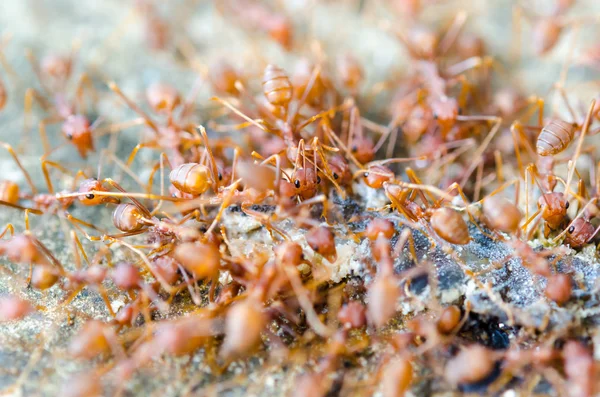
point(456, 157)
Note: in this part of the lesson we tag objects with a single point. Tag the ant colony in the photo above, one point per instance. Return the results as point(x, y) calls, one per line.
point(289, 219)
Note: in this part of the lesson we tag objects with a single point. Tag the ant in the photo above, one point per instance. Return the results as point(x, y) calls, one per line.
point(172, 137)
point(54, 73)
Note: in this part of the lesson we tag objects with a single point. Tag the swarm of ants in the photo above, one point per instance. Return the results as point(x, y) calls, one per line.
point(295, 223)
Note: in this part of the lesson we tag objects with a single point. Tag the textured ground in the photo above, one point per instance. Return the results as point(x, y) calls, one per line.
point(33, 360)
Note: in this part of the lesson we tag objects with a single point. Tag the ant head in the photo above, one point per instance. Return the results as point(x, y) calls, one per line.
point(289, 253)
point(377, 175)
point(305, 181)
point(340, 169)
point(445, 111)
point(363, 149)
point(380, 227)
point(76, 128)
point(554, 208)
point(322, 241)
point(163, 98)
point(579, 233)
point(90, 185)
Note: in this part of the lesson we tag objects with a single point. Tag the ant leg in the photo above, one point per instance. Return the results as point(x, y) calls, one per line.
point(309, 87)
point(136, 149)
point(84, 83)
point(8, 228)
point(42, 129)
point(3, 61)
point(254, 122)
point(466, 65)
point(535, 104)
point(478, 176)
point(224, 204)
point(584, 130)
point(123, 167)
point(312, 318)
point(452, 33)
point(45, 163)
point(161, 165)
point(118, 127)
point(145, 261)
point(115, 88)
point(412, 176)
point(78, 247)
point(31, 95)
point(328, 173)
point(11, 151)
point(213, 165)
point(499, 166)
point(406, 236)
point(138, 204)
point(515, 129)
point(479, 152)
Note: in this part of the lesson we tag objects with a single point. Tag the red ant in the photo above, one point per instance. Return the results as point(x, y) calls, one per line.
point(54, 73)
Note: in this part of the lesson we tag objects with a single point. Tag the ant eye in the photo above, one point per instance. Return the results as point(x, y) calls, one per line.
point(366, 175)
point(460, 110)
point(220, 176)
point(297, 183)
point(435, 116)
point(354, 149)
point(69, 136)
point(318, 179)
point(89, 196)
point(335, 176)
point(567, 205)
point(571, 229)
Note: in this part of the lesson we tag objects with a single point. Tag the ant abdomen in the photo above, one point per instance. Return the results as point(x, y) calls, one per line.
point(191, 178)
point(277, 86)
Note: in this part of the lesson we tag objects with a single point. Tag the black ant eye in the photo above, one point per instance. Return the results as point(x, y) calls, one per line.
point(89, 196)
point(335, 176)
point(460, 110)
point(297, 183)
point(366, 175)
point(69, 136)
point(220, 176)
point(567, 205)
point(354, 149)
point(435, 116)
point(571, 229)
point(318, 179)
